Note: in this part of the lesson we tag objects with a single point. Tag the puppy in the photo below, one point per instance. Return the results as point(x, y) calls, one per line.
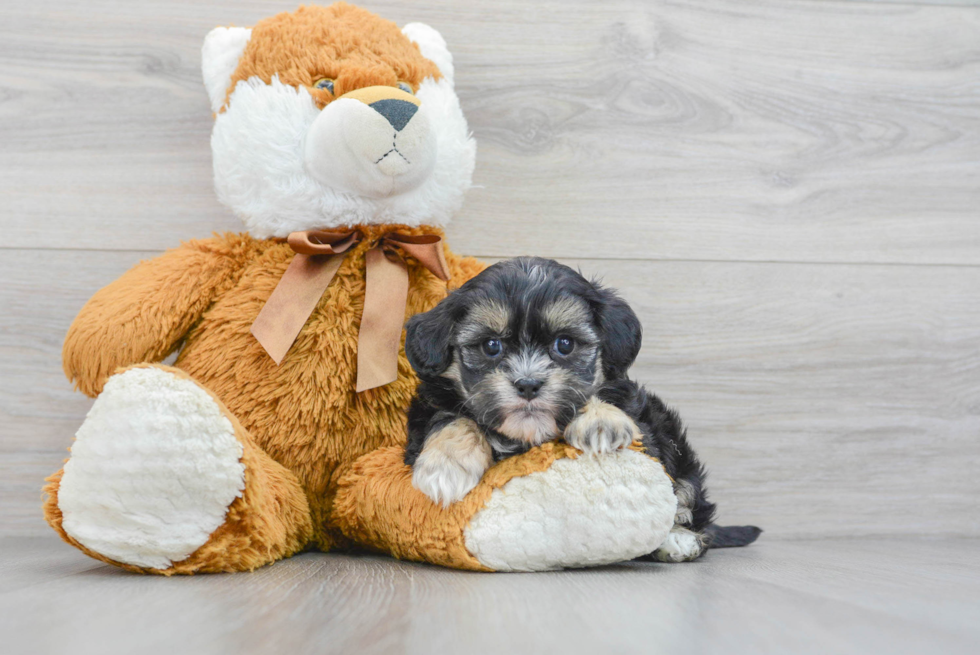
point(530, 351)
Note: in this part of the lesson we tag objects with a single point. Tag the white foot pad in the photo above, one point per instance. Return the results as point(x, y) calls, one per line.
point(583, 512)
point(152, 472)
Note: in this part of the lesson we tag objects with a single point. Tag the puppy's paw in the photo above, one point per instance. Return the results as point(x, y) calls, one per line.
point(601, 428)
point(444, 481)
point(452, 462)
point(681, 545)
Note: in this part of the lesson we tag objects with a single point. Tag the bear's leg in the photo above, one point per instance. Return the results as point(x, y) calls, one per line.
point(164, 479)
point(549, 508)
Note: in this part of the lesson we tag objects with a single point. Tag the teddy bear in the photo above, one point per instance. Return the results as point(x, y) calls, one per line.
point(280, 427)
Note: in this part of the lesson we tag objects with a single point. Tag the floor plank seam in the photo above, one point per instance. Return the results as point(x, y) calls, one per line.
point(665, 260)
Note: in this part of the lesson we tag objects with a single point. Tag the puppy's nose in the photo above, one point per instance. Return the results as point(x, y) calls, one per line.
point(528, 388)
point(398, 112)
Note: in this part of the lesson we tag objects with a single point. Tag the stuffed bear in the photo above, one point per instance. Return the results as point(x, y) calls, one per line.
point(339, 141)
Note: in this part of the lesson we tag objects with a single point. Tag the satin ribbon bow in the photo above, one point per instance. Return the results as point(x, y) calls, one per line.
point(319, 254)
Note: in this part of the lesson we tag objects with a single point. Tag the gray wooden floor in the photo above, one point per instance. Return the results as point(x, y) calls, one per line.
point(787, 191)
point(820, 596)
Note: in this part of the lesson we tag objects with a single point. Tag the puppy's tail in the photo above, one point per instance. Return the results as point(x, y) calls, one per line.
point(717, 536)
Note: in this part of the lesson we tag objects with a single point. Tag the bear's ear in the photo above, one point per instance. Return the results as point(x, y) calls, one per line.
point(223, 47)
point(433, 47)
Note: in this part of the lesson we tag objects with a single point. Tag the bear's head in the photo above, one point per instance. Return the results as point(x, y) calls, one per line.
point(332, 116)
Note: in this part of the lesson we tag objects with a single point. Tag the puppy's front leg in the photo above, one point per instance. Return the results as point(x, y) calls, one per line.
point(600, 427)
point(453, 459)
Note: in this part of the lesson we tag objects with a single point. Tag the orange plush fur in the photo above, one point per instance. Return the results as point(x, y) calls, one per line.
point(359, 49)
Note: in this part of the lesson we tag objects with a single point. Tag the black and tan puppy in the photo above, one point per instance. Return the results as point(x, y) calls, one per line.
point(530, 351)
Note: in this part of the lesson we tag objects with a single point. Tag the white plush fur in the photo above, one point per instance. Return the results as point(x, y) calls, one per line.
point(584, 512)
point(223, 47)
point(262, 170)
point(152, 472)
point(355, 150)
point(432, 46)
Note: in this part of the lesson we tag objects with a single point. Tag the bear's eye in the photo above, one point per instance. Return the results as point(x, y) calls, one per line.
point(564, 345)
point(326, 84)
point(404, 86)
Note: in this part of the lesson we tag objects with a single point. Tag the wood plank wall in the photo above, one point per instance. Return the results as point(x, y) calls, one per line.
point(788, 191)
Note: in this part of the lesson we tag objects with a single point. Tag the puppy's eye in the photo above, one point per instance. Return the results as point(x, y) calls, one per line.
point(492, 347)
point(326, 84)
point(564, 345)
point(404, 86)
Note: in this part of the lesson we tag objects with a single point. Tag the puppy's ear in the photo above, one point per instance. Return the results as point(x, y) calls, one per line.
point(622, 334)
point(428, 336)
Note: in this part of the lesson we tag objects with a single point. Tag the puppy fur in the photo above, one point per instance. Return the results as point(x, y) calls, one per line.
point(530, 351)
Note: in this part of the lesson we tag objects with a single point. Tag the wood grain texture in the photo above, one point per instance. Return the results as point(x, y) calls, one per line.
point(846, 596)
point(762, 130)
point(826, 399)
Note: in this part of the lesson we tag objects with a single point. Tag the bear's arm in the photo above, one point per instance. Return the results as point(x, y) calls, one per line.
point(145, 314)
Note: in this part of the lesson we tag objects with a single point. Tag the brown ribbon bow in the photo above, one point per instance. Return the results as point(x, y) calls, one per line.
point(319, 254)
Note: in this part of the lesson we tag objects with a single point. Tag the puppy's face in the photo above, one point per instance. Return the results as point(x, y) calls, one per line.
point(525, 368)
point(523, 345)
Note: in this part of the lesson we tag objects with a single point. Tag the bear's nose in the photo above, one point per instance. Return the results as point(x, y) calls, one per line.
point(397, 112)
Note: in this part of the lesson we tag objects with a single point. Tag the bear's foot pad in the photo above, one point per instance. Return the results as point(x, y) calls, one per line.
point(587, 511)
point(153, 470)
